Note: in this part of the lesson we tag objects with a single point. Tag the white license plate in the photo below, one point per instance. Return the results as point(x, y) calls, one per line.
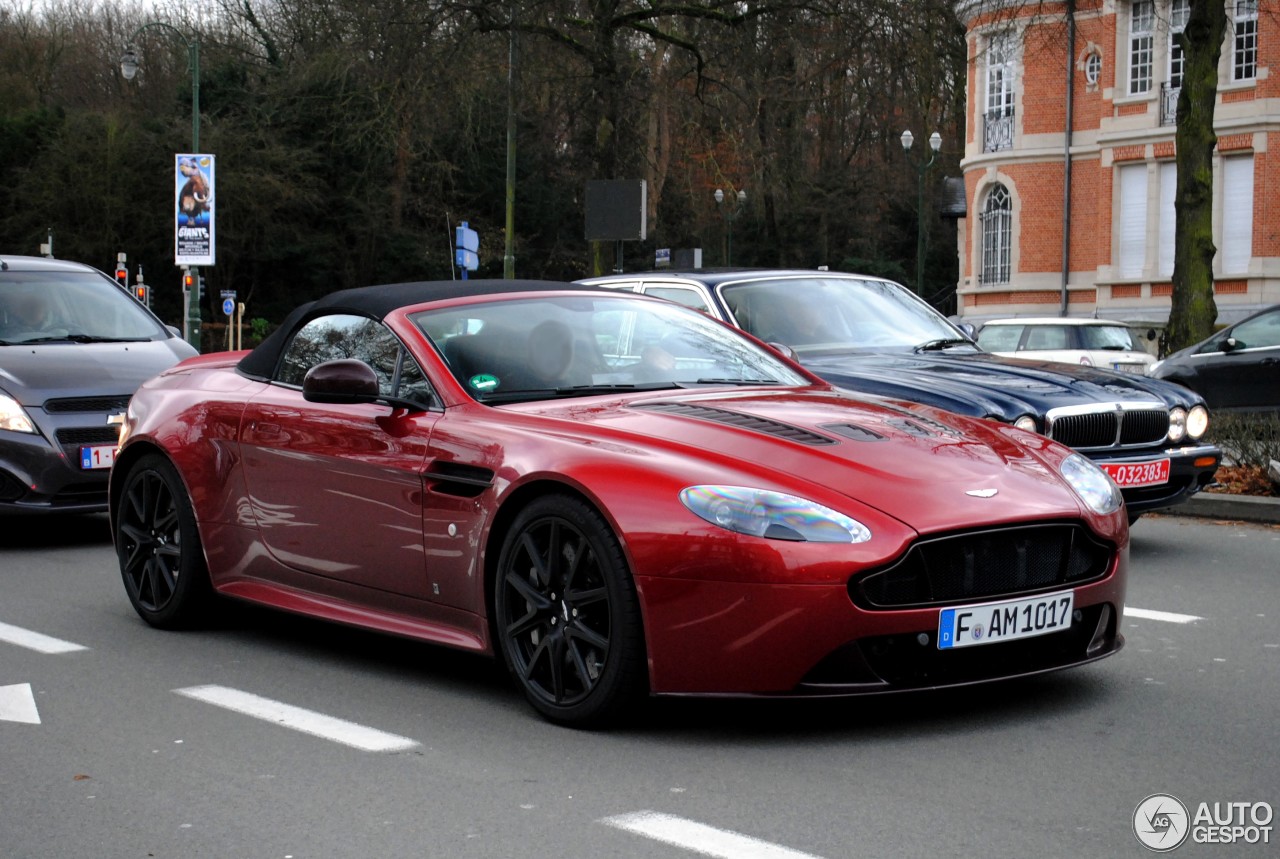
point(992, 623)
point(1137, 369)
point(97, 456)
point(1127, 474)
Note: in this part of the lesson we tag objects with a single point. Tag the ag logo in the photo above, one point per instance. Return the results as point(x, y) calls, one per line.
point(1161, 822)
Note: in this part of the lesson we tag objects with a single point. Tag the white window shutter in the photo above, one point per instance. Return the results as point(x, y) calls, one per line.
point(1237, 214)
point(1168, 188)
point(1133, 220)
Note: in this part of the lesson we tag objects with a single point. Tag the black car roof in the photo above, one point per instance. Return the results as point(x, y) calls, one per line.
point(715, 276)
point(377, 301)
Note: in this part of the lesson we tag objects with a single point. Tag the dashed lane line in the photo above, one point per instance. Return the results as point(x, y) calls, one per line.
point(1166, 616)
point(35, 641)
point(298, 719)
point(700, 838)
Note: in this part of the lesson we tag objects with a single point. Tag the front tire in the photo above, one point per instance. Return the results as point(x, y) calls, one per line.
point(158, 547)
point(566, 614)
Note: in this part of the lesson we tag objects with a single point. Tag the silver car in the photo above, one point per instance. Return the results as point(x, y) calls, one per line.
point(74, 346)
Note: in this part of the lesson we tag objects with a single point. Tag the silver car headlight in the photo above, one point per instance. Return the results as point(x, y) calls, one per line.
point(13, 416)
point(1197, 421)
point(1095, 488)
point(1177, 424)
point(775, 515)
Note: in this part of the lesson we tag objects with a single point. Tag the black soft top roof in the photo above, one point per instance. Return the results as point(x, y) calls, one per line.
point(377, 301)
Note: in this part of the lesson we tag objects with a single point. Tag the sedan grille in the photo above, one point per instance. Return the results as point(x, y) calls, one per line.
point(87, 404)
point(985, 564)
point(1108, 426)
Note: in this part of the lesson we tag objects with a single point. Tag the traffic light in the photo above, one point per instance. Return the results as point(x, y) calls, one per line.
point(142, 292)
point(122, 271)
point(188, 282)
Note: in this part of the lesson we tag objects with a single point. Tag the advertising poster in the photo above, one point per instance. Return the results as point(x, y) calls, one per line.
point(193, 210)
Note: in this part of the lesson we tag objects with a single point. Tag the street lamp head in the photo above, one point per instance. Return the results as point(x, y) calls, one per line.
point(129, 63)
point(935, 141)
point(719, 195)
point(907, 139)
point(742, 197)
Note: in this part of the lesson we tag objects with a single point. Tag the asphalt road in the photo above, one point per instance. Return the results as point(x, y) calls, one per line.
point(126, 747)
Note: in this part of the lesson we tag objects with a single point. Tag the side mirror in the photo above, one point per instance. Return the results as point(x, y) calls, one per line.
point(1230, 344)
point(785, 351)
point(344, 381)
point(968, 329)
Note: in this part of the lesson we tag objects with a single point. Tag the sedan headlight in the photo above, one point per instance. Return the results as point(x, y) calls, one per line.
point(1197, 421)
point(763, 513)
point(1177, 424)
point(13, 417)
point(1026, 422)
point(1098, 491)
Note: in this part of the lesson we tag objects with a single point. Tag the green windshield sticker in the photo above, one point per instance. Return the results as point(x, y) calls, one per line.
point(484, 382)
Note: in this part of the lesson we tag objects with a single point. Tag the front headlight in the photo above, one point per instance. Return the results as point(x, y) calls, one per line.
point(1098, 491)
point(1177, 424)
point(1197, 421)
point(763, 513)
point(13, 417)
point(1026, 422)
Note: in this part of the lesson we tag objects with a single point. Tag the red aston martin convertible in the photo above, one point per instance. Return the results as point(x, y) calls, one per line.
point(616, 495)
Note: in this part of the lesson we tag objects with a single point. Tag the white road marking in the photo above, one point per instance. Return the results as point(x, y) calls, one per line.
point(306, 721)
point(1166, 616)
point(17, 704)
point(699, 837)
point(35, 641)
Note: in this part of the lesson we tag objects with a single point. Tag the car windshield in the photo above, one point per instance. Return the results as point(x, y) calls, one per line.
point(1112, 337)
point(541, 348)
point(75, 306)
point(816, 314)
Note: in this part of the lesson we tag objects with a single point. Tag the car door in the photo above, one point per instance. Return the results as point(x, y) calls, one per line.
point(1246, 374)
point(337, 489)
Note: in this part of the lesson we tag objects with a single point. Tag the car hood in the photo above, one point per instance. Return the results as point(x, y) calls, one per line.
point(985, 385)
point(33, 374)
point(913, 463)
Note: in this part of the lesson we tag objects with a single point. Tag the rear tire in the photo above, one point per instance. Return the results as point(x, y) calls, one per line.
point(158, 546)
point(567, 616)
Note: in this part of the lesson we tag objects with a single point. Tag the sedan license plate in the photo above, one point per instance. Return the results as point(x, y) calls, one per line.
point(1128, 474)
point(992, 623)
point(97, 456)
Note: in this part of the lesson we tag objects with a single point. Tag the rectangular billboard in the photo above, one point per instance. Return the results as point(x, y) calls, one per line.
point(193, 233)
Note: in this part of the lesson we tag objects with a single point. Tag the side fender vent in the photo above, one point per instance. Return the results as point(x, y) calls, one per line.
point(457, 478)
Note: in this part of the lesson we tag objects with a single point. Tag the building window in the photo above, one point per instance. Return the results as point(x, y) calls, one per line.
point(1142, 19)
point(1092, 68)
point(997, 127)
point(996, 223)
point(1132, 257)
point(1177, 23)
point(1237, 198)
point(1244, 54)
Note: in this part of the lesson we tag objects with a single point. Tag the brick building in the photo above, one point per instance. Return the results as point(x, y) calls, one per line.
point(1113, 80)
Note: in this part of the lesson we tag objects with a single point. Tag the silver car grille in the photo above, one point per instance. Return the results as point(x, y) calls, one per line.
point(1107, 426)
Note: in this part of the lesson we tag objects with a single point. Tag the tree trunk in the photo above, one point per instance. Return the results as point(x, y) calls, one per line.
point(1193, 311)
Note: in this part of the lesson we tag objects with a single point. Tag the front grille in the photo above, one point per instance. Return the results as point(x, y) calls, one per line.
point(1109, 427)
point(87, 404)
point(985, 564)
point(88, 435)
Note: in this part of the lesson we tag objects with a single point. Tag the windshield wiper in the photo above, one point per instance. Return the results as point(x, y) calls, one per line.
point(731, 382)
point(943, 343)
point(614, 388)
point(76, 338)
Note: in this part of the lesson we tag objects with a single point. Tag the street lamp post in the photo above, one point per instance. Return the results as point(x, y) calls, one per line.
point(729, 217)
point(935, 143)
point(129, 68)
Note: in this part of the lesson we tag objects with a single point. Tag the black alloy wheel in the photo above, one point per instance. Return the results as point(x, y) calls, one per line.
point(567, 615)
point(158, 546)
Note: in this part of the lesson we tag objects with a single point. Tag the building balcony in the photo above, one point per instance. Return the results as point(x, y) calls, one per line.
point(997, 130)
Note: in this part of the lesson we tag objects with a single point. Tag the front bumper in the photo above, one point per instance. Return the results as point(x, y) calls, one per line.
point(736, 639)
point(39, 478)
point(1191, 468)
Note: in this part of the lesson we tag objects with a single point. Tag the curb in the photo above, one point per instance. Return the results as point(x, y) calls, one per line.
point(1216, 505)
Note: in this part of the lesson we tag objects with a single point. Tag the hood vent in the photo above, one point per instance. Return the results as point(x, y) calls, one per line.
point(853, 431)
point(739, 420)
